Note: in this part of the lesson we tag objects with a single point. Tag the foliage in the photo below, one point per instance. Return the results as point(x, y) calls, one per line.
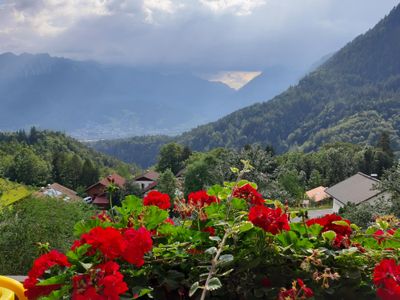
point(226, 237)
point(44, 156)
point(172, 157)
point(32, 222)
point(142, 151)
point(29, 168)
point(167, 184)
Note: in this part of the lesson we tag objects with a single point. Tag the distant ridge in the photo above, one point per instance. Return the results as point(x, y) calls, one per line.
point(353, 97)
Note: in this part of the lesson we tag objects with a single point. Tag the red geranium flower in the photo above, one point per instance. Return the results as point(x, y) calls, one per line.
point(342, 232)
point(266, 282)
point(271, 220)
point(387, 279)
point(157, 199)
point(138, 242)
point(248, 193)
point(210, 230)
point(201, 199)
point(381, 235)
point(103, 282)
point(103, 217)
point(108, 240)
point(296, 293)
point(40, 266)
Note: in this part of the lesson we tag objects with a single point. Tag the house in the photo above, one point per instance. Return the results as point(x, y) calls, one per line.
point(357, 189)
point(59, 191)
point(317, 195)
point(98, 191)
point(147, 180)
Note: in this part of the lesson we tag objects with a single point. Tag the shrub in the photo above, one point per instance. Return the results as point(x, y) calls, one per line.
point(228, 236)
point(32, 221)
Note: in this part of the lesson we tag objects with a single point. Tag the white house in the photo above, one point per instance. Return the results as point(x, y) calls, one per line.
point(147, 180)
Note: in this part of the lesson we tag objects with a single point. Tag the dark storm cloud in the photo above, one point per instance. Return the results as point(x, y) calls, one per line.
point(196, 34)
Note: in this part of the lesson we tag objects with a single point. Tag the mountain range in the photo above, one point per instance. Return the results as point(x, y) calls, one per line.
point(353, 96)
point(91, 100)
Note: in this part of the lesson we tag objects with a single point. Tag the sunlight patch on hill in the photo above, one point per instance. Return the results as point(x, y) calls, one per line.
point(234, 79)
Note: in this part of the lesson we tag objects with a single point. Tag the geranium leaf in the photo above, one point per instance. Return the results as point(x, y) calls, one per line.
point(195, 286)
point(225, 258)
point(211, 250)
point(329, 235)
point(341, 223)
point(245, 226)
point(153, 216)
point(58, 279)
point(214, 284)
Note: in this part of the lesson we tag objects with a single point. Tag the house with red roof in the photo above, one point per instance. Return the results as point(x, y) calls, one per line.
point(147, 180)
point(98, 191)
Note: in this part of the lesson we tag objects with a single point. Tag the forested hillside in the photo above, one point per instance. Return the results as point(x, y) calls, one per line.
point(41, 157)
point(353, 97)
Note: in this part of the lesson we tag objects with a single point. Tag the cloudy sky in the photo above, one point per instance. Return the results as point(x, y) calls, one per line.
point(201, 35)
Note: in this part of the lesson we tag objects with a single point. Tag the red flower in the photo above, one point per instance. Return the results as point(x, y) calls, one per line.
point(40, 266)
point(381, 235)
point(248, 193)
point(296, 293)
point(285, 294)
point(169, 221)
point(103, 282)
point(271, 220)
point(387, 279)
point(103, 217)
point(308, 293)
point(201, 199)
point(210, 230)
point(108, 240)
point(343, 232)
point(266, 282)
point(157, 199)
point(138, 242)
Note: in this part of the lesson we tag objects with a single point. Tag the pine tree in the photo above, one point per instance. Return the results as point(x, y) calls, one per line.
point(90, 174)
point(384, 144)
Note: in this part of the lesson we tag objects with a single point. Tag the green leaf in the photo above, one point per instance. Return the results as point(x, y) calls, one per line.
point(215, 211)
point(86, 266)
point(85, 226)
point(245, 226)
point(239, 204)
point(314, 229)
point(215, 238)
point(153, 216)
point(214, 284)
point(211, 250)
point(225, 258)
point(214, 190)
point(132, 203)
point(141, 291)
point(57, 294)
point(195, 286)
point(287, 238)
point(341, 223)
point(383, 224)
point(329, 235)
point(58, 279)
point(234, 170)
